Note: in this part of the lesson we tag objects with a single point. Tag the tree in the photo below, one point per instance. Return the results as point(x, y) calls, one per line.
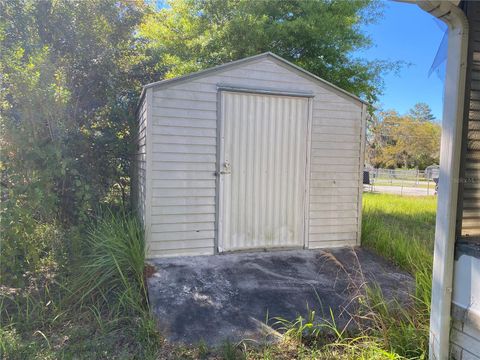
point(319, 36)
point(72, 71)
point(379, 136)
point(422, 112)
point(71, 75)
point(402, 141)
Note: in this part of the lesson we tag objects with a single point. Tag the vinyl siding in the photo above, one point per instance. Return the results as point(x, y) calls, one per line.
point(470, 186)
point(465, 332)
point(140, 164)
point(184, 158)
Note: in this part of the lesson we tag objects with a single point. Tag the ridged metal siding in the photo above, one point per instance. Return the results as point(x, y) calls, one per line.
point(262, 199)
point(470, 195)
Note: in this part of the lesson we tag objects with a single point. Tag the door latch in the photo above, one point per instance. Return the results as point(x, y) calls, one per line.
point(226, 169)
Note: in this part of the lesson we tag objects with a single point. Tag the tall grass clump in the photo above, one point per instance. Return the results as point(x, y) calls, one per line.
point(111, 268)
point(402, 229)
point(323, 338)
point(401, 328)
point(109, 283)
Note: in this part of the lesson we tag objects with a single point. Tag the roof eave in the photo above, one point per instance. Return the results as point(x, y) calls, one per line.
point(168, 82)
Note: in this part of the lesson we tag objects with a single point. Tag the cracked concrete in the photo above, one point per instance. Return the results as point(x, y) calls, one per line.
point(237, 296)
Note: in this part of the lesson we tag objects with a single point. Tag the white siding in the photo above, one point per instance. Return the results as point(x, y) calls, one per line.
point(140, 158)
point(185, 158)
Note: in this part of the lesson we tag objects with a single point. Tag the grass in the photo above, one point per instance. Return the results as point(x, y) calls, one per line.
point(402, 229)
point(96, 306)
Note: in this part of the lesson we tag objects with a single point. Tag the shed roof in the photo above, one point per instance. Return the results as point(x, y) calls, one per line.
point(201, 73)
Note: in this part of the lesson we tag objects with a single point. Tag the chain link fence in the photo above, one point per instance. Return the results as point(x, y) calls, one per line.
point(402, 181)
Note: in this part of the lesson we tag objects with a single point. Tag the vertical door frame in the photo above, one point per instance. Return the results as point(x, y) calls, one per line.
point(219, 204)
point(219, 179)
point(306, 199)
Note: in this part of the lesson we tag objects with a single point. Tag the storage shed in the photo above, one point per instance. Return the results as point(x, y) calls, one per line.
point(251, 155)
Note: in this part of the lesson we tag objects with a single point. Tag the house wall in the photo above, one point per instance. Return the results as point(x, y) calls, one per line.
point(464, 341)
point(465, 332)
point(469, 204)
point(184, 158)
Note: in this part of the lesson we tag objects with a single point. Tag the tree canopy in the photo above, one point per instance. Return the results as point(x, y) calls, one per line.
point(320, 36)
point(408, 141)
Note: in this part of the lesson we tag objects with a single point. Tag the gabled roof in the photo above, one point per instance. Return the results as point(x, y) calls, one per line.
point(201, 73)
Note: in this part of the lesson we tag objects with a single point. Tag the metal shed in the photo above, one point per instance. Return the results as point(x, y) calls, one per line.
point(251, 155)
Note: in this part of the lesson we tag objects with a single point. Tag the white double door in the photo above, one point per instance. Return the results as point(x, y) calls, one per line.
point(262, 164)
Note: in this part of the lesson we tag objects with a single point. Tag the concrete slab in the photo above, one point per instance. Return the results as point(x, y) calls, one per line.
point(232, 297)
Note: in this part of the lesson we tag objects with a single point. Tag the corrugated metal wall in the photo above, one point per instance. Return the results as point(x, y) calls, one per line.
point(263, 155)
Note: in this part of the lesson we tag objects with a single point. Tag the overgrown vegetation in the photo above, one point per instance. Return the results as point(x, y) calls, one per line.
point(96, 309)
point(402, 229)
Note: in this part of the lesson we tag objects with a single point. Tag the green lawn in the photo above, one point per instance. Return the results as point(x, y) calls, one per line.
point(400, 228)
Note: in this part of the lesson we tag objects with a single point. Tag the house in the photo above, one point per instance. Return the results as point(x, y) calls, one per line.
point(251, 155)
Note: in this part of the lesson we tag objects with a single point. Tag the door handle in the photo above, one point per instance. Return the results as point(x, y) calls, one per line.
point(226, 169)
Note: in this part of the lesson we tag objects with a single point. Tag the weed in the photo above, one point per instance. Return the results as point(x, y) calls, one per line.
point(111, 271)
point(203, 349)
point(300, 329)
point(231, 351)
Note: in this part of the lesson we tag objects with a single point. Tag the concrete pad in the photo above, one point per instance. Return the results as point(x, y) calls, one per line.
point(233, 297)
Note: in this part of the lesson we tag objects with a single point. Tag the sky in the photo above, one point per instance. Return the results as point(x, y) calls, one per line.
point(410, 34)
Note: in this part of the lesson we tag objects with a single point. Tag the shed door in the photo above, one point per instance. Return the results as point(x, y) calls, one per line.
point(262, 162)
